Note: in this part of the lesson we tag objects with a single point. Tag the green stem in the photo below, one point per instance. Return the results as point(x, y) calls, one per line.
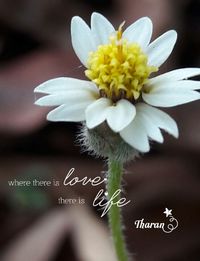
point(115, 169)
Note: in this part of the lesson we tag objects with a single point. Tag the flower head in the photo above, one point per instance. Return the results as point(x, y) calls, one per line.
point(119, 69)
point(121, 89)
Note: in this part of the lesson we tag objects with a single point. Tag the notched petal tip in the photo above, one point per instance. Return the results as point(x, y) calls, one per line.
point(173, 34)
point(76, 19)
point(175, 132)
point(40, 102)
point(36, 102)
point(96, 112)
point(125, 112)
point(96, 15)
point(36, 89)
point(161, 120)
point(170, 36)
point(146, 19)
point(136, 136)
point(134, 35)
point(50, 117)
point(172, 31)
point(101, 29)
point(160, 49)
point(39, 89)
point(50, 86)
point(83, 41)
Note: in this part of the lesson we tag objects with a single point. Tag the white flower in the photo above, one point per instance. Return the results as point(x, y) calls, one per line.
point(120, 90)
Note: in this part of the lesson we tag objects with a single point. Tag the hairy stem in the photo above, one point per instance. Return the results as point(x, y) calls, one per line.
point(115, 169)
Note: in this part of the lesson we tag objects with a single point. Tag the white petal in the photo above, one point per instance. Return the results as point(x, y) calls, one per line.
point(168, 97)
point(176, 75)
point(160, 49)
point(170, 86)
point(64, 84)
point(120, 115)
point(101, 28)
point(96, 112)
point(159, 118)
point(73, 113)
point(82, 39)
point(139, 32)
point(151, 128)
point(146, 124)
point(68, 97)
point(135, 135)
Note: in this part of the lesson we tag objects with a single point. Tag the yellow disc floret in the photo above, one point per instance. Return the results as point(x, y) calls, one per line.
point(119, 69)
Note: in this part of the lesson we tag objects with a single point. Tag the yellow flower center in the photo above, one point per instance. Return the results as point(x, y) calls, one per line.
point(119, 69)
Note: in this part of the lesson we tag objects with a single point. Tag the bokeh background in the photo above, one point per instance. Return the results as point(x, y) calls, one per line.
point(35, 46)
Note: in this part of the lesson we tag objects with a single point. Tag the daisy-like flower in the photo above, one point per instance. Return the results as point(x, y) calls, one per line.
point(120, 90)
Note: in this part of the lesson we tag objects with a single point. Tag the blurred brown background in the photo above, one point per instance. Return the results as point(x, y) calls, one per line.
point(34, 47)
